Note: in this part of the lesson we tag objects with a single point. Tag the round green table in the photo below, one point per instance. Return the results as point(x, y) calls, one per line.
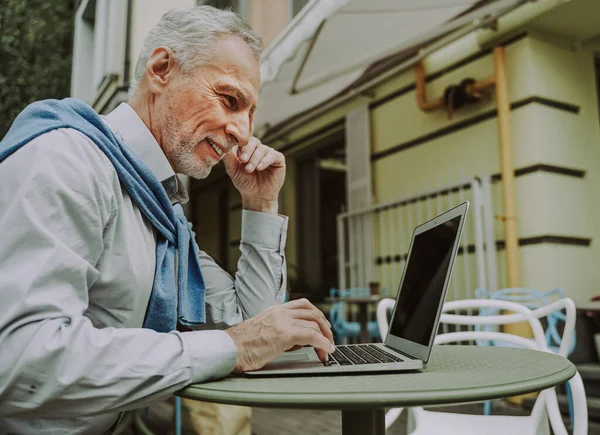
point(455, 374)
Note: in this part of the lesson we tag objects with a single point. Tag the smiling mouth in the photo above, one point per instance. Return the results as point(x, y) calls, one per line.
point(215, 147)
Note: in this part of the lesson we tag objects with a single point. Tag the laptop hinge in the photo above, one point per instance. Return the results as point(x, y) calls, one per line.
point(400, 352)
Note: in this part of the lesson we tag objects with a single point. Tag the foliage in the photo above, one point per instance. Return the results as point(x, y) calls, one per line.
point(36, 40)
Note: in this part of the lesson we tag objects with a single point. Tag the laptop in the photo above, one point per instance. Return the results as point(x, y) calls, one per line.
point(415, 319)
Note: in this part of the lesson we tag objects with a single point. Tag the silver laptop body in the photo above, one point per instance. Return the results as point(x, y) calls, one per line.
point(416, 315)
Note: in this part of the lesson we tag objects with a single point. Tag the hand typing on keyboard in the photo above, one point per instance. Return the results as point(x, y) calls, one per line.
point(264, 337)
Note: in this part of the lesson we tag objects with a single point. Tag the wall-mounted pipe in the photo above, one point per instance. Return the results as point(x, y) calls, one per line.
point(473, 90)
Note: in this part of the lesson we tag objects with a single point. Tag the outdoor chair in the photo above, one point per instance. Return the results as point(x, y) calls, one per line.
point(532, 299)
point(545, 409)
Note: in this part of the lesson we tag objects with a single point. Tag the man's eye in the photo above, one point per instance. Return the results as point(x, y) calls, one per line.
point(231, 101)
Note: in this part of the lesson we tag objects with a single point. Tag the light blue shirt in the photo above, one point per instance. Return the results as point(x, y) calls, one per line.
point(77, 263)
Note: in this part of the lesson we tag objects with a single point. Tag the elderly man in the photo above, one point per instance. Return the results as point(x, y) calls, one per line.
point(103, 289)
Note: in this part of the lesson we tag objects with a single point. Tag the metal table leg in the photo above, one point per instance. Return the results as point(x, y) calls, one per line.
point(367, 422)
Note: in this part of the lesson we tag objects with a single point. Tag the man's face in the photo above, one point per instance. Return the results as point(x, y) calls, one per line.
point(208, 111)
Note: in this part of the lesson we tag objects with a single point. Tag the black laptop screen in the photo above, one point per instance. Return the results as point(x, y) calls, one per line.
point(423, 284)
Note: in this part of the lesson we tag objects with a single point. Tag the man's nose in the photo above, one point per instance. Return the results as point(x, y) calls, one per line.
point(239, 128)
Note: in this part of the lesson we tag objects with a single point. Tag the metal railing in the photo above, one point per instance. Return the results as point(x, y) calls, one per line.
point(373, 242)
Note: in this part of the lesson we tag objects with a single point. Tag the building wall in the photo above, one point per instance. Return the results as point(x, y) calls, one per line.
point(268, 17)
point(145, 15)
point(556, 143)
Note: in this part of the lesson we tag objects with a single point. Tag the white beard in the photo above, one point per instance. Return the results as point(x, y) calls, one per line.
point(186, 162)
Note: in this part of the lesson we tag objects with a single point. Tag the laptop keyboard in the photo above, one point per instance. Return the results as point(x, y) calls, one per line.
point(360, 354)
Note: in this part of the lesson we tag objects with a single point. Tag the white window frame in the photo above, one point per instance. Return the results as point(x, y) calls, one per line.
point(99, 49)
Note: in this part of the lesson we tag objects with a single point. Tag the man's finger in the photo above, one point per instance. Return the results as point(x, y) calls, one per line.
point(245, 152)
point(323, 356)
point(272, 158)
point(307, 333)
point(259, 153)
point(317, 317)
point(298, 303)
point(304, 304)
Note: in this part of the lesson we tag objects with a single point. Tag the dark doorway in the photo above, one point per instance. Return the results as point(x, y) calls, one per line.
point(333, 201)
point(321, 181)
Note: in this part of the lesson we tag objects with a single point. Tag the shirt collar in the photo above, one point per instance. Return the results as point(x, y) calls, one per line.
point(125, 122)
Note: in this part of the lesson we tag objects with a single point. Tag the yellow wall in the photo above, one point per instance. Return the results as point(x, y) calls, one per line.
point(547, 203)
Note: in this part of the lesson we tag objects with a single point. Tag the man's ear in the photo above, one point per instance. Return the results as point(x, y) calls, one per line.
point(159, 69)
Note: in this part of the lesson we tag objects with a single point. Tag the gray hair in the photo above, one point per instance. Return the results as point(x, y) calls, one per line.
point(191, 33)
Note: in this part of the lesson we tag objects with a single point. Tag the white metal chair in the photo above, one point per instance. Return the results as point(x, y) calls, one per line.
point(428, 422)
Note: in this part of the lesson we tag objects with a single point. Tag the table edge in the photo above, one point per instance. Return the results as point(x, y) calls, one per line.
point(370, 400)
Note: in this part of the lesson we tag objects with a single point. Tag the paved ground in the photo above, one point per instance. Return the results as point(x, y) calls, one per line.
point(298, 422)
point(290, 421)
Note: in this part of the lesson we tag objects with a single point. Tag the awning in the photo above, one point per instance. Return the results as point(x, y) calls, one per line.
point(333, 42)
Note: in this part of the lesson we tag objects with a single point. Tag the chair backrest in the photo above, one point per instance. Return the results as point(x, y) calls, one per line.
point(520, 313)
point(512, 312)
point(457, 313)
point(533, 299)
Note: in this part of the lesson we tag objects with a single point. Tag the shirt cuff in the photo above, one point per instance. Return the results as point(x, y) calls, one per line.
point(213, 354)
point(264, 229)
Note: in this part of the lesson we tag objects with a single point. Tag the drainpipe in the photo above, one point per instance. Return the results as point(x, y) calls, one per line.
point(507, 170)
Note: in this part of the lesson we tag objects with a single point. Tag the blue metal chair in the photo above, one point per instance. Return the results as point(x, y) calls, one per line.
point(341, 327)
point(532, 299)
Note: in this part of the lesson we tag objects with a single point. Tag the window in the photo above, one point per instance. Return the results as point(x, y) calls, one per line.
point(99, 47)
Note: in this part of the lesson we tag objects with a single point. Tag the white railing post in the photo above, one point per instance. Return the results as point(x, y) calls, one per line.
point(490, 237)
point(477, 205)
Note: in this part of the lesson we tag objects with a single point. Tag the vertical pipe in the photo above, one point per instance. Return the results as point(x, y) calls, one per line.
point(508, 190)
point(507, 170)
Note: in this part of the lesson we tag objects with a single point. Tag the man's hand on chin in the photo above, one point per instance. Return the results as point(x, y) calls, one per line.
point(258, 172)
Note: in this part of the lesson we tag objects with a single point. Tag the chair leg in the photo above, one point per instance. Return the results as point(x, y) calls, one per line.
point(570, 403)
point(580, 411)
point(178, 428)
point(487, 407)
point(391, 416)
